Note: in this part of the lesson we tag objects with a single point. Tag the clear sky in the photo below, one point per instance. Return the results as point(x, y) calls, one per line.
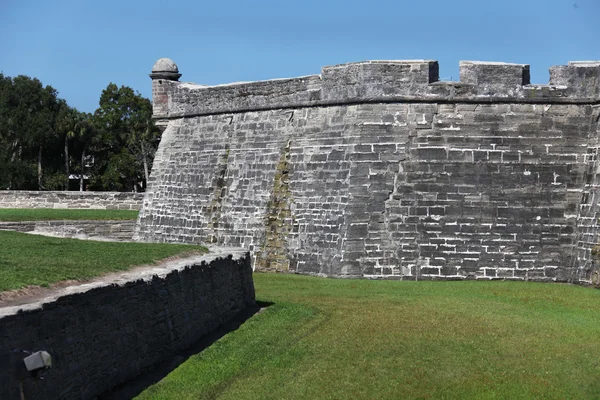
point(79, 46)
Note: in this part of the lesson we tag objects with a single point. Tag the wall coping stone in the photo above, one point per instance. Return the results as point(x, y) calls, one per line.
point(144, 273)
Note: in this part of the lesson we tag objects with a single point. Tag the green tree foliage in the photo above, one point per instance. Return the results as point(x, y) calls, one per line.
point(129, 139)
point(43, 140)
point(84, 138)
point(27, 119)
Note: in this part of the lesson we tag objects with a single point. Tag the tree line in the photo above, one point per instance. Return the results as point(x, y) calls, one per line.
point(45, 144)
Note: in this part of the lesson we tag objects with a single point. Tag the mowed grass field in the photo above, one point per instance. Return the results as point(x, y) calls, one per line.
point(47, 214)
point(39, 260)
point(361, 339)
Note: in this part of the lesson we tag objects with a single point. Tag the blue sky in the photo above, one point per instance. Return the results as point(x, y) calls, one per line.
point(79, 46)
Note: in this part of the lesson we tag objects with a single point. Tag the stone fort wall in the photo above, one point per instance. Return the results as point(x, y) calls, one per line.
point(378, 169)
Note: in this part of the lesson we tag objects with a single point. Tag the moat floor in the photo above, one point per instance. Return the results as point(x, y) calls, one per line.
point(360, 339)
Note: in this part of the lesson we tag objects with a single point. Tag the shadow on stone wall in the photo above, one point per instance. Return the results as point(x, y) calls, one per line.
point(133, 388)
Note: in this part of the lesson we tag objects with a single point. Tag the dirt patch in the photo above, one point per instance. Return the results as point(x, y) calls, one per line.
point(32, 292)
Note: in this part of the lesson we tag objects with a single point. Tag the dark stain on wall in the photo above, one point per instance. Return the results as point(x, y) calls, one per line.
point(272, 255)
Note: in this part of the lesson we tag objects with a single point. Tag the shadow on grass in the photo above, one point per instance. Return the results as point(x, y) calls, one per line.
point(130, 389)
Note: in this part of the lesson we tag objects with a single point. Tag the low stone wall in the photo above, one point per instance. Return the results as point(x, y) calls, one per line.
point(81, 229)
point(94, 200)
point(105, 333)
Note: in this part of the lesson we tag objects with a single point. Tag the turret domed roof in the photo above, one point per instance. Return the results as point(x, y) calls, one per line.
point(165, 65)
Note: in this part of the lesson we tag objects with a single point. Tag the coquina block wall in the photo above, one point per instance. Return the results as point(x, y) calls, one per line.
point(79, 229)
point(107, 332)
point(378, 169)
point(57, 199)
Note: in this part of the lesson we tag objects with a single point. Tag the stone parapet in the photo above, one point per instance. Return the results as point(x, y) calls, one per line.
point(382, 81)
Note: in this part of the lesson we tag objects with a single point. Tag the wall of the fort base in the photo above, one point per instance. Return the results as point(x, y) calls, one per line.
point(487, 178)
point(93, 200)
point(81, 229)
point(110, 333)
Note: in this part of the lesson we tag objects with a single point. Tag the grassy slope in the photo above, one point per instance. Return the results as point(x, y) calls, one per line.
point(40, 260)
point(338, 339)
point(45, 214)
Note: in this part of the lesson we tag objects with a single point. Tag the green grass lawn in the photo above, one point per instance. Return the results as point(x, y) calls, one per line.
point(46, 214)
point(40, 260)
point(361, 339)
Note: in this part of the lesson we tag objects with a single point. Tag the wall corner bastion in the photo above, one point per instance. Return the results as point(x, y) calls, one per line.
point(379, 169)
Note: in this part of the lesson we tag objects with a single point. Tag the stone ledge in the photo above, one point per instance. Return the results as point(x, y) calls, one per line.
point(111, 230)
point(71, 200)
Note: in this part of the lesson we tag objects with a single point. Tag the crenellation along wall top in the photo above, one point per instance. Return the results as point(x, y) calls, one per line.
point(389, 81)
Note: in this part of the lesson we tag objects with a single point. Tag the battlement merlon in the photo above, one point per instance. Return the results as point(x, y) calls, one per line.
point(375, 82)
